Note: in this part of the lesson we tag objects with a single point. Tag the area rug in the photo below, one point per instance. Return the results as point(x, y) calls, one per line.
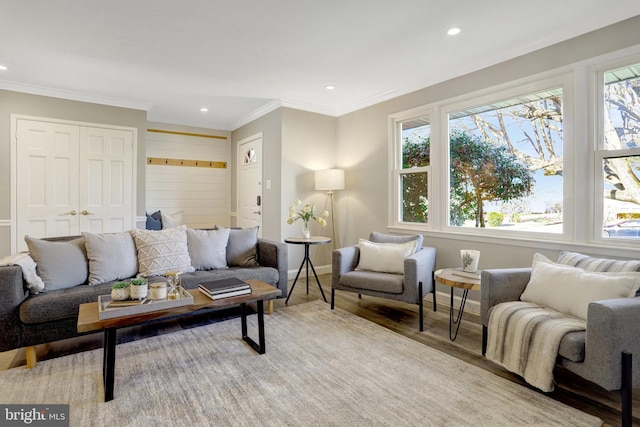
point(321, 368)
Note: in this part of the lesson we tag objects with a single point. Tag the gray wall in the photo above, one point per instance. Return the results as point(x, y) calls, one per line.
point(363, 152)
point(43, 106)
point(295, 143)
point(271, 127)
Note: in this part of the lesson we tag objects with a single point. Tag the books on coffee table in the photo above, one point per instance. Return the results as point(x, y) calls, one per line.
point(224, 288)
point(226, 294)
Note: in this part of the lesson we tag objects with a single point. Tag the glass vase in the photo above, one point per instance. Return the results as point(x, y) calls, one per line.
point(306, 233)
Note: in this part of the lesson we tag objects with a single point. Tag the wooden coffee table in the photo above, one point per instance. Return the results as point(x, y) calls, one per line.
point(88, 321)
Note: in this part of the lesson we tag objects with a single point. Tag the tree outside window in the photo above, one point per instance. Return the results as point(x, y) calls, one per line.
point(506, 164)
point(621, 153)
point(414, 173)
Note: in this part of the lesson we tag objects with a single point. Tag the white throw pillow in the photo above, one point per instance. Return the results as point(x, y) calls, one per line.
point(385, 257)
point(112, 256)
point(173, 220)
point(569, 290)
point(208, 248)
point(162, 250)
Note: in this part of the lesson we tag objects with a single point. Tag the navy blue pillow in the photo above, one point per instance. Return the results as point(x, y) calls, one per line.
point(154, 221)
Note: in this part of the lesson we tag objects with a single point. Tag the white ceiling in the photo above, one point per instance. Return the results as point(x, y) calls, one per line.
point(242, 58)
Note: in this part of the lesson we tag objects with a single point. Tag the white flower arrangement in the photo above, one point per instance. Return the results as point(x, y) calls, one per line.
point(306, 213)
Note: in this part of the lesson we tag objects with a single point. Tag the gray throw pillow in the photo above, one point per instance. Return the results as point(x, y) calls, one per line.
point(112, 256)
point(388, 238)
point(242, 249)
point(60, 264)
point(208, 248)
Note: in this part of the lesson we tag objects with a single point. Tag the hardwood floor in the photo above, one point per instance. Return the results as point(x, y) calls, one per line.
point(396, 316)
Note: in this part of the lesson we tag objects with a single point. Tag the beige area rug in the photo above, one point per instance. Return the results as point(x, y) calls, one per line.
point(321, 368)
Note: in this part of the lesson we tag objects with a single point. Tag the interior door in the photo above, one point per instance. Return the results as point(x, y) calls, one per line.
point(47, 180)
point(106, 184)
point(250, 182)
point(71, 178)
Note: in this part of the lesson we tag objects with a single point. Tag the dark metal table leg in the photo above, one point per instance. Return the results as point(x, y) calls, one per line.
point(260, 346)
point(295, 281)
point(109, 362)
point(308, 260)
point(317, 281)
point(458, 320)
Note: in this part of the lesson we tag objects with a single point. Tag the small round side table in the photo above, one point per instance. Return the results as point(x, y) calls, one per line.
point(313, 240)
point(447, 277)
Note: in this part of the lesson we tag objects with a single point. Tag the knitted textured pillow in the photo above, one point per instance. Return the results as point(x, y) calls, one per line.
point(161, 251)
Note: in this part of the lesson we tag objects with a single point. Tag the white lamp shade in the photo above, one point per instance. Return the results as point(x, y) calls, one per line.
point(330, 179)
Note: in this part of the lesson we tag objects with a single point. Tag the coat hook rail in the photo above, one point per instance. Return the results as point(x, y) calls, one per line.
point(182, 162)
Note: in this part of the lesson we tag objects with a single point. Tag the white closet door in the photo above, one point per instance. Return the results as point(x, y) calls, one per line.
point(106, 180)
point(72, 178)
point(47, 177)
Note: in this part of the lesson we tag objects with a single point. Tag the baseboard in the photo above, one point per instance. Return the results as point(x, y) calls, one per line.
point(320, 269)
point(443, 298)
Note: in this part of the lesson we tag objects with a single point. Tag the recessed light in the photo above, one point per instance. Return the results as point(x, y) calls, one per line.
point(204, 109)
point(3, 68)
point(453, 31)
point(329, 87)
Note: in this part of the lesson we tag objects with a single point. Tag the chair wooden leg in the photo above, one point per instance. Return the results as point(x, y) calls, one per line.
point(626, 390)
point(270, 307)
point(32, 358)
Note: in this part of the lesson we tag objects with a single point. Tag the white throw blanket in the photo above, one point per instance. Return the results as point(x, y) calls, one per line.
point(524, 338)
point(28, 265)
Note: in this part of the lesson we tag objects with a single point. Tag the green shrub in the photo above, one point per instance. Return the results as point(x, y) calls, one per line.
point(495, 219)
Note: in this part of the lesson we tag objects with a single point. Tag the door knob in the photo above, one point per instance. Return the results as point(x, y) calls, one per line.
point(73, 212)
point(86, 212)
point(258, 212)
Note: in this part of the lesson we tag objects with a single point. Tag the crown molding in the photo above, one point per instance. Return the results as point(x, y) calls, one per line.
point(283, 102)
point(73, 96)
point(270, 106)
point(305, 106)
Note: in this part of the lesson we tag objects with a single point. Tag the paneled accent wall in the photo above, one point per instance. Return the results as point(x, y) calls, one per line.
point(203, 194)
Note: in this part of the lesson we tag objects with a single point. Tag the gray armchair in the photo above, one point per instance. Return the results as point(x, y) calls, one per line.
point(411, 287)
point(603, 353)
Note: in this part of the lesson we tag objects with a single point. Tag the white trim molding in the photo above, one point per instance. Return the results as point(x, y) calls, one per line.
point(73, 95)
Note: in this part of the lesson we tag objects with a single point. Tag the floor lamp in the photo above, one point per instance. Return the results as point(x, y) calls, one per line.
point(330, 180)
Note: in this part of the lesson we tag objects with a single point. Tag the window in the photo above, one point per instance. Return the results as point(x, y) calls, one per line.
point(506, 164)
point(413, 170)
point(553, 158)
point(619, 153)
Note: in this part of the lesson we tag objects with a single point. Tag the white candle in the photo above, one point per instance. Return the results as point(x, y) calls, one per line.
point(158, 291)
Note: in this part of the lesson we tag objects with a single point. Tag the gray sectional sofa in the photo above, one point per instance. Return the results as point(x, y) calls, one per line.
point(30, 317)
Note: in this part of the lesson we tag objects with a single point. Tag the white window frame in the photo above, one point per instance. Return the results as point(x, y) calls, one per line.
point(583, 182)
point(599, 153)
point(564, 80)
point(396, 170)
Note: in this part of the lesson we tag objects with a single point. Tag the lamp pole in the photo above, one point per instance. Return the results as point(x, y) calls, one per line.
point(333, 221)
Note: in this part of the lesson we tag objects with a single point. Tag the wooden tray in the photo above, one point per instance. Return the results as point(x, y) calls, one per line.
point(153, 305)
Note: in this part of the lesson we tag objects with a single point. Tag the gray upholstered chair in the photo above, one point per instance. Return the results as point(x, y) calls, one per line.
point(411, 286)
point(603, 353)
